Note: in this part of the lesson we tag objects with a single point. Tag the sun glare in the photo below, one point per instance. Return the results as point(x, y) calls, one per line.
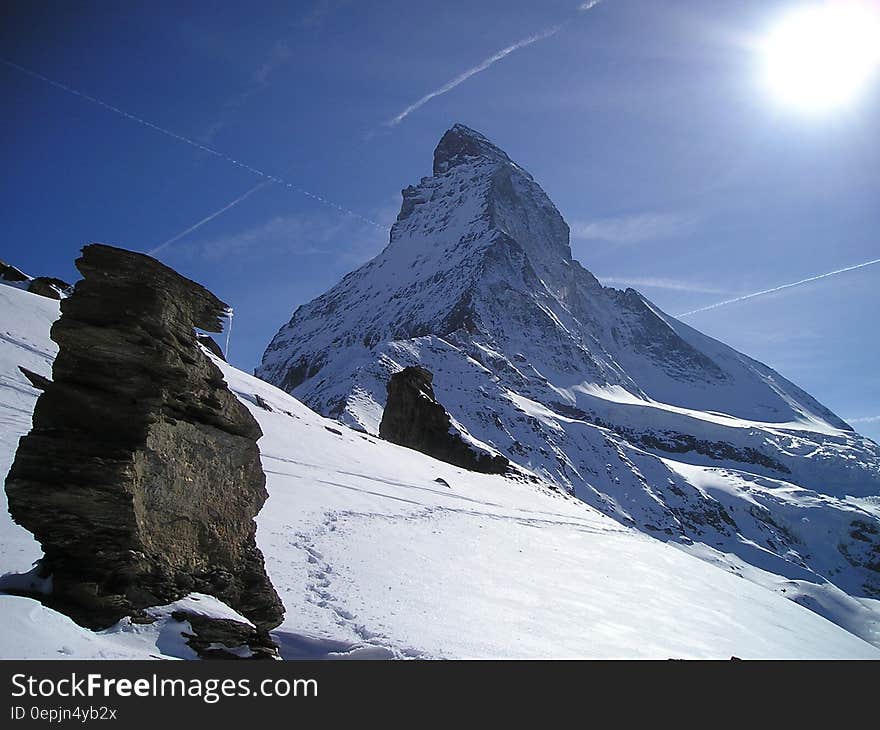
point(821, 56)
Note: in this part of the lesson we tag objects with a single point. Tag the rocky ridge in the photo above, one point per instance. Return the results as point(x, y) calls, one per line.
point(45, 286)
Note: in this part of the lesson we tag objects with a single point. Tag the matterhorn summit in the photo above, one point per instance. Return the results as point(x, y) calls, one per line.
point(591, 388)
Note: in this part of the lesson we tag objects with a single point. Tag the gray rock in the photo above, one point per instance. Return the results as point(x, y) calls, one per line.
point(35, 379)
point(141, 476)
point(413, 418)
point(49, 287)
point(212, 345)
point(11, 273)
point(213, 638)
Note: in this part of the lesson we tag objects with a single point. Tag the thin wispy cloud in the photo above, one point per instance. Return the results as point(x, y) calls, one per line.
point(207, 219)
point(271, 236)
point(320, 12)
point(465, 75)
point(652, 282)
point(342, 241)
point(864, 419)
point(782, 287)
point(277, 57)
point(486, 63)
point(626, 230)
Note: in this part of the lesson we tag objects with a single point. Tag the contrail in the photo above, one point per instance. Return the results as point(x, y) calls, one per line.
point(482, 66)
point(162, 246)
point(780, 288)
point(866, 419)
point(191, 143)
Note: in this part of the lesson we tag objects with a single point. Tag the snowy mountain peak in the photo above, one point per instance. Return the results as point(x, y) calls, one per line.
point(495, 209)
point(480, 257)
point(461, 144)
point(592, 388)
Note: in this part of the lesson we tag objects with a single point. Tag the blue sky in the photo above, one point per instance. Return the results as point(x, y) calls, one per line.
point(646, 123)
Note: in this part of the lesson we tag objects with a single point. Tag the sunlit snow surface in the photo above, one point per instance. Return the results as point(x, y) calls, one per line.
point(374, 558)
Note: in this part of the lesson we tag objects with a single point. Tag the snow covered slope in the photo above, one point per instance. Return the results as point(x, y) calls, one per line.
point(25, 320)
point(595, 389)
point(374, 557)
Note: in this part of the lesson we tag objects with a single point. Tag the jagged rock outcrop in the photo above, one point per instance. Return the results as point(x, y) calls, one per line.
point(36, 380)
point(44, 286)
point(141, 476)
point(415, 419)
point(49, 286)
point(223, 638)
point(212, 345)
point(10, 273)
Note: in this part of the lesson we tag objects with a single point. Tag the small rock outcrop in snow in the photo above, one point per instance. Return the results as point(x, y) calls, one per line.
point(49, 286)
point(415, 419)
point(141, 476)
point(44, 286)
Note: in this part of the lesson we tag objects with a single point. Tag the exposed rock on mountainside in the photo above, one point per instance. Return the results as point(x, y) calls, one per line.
point(212, 345)
point(141, 476)
point(593, 388)
point(49, 286)
point(415, 419)
point(11, 274)
point(45, 286)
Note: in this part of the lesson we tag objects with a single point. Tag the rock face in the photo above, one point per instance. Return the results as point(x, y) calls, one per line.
point(212, 345)
point(141, 476)
point(11, 274)
point(220, 638)
point(593, 388)
point(415, 419)
point(44, 286)
point(48, 286)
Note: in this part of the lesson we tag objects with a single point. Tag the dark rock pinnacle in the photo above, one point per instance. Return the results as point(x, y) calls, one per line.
point(415, 419)
point(141, 476)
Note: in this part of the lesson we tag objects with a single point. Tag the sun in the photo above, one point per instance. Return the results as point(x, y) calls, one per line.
point(822, 56)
